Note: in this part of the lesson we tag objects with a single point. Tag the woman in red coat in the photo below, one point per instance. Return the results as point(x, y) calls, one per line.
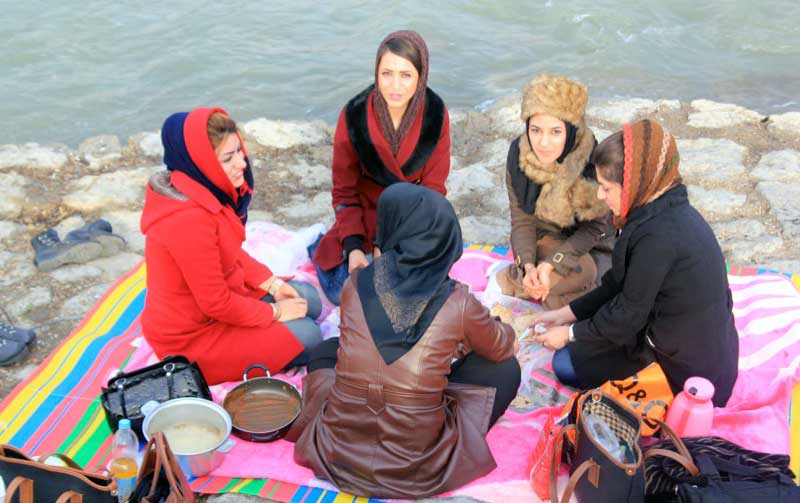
point(395, 130)
point(205, 295)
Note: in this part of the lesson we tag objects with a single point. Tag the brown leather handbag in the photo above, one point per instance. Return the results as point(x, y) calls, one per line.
point(29, 481)
point(598, 474)
point(160, 477)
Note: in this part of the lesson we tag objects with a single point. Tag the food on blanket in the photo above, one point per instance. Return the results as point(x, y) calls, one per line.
point(521, 402)
point(186, 438)
point(505, 314)
point(519, 323)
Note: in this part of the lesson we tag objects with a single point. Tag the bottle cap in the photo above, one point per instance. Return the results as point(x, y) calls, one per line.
point(124, 424)
point(699, 388)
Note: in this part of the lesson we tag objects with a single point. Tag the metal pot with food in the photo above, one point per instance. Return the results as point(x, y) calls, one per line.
point(197, 430)
point(262, 409)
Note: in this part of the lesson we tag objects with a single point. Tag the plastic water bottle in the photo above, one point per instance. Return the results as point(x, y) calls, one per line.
point(602, 433)
point(692, 411)
point(124, 451)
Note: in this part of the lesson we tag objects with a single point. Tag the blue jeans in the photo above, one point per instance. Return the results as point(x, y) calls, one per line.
point(304, 329)
point(563, 368)
point(331, 281)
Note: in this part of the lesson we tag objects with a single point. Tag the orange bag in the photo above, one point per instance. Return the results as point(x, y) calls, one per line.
point(539, 465)
point(647, 393)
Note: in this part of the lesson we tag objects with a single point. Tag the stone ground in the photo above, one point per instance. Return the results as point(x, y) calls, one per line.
point(742, 170)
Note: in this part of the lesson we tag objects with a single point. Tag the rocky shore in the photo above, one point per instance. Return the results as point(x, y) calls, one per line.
point(742, 169)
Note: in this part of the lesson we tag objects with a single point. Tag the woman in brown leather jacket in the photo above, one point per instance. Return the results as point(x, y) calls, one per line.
point(397, 417)
point(556, 220)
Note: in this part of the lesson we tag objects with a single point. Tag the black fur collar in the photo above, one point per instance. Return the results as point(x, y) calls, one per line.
point(432, 121)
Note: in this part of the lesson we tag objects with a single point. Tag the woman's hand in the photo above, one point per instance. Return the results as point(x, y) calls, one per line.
point(355, 260)
point(286, 291)
point(543, 271)
point(292, 309)
point(562, 316)
point(530, 282)
point(555, 338)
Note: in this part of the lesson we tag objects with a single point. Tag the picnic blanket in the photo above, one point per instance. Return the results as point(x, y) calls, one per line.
point(57, 408)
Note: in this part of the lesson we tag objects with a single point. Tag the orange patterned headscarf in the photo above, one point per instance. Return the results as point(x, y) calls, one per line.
point(651, 165)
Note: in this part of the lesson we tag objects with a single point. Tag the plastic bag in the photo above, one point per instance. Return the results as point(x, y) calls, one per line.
point(539, 463)
point(282, 250)
point(532, 356)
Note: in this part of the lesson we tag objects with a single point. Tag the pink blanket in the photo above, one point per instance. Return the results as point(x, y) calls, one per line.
point(767, 309)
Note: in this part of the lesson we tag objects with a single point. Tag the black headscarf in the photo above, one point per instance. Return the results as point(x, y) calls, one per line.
point(526, 190)
point(402, 290)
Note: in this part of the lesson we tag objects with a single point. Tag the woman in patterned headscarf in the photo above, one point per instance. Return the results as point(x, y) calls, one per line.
point(395, 130)
point(386, 412)
point(666, 297)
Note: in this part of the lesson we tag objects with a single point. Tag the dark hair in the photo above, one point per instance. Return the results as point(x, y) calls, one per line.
point(402, 48)
point(609, 158)
point(219, 127)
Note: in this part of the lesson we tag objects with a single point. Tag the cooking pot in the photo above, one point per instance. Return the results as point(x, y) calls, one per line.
point(197, 431)
point(262, 409)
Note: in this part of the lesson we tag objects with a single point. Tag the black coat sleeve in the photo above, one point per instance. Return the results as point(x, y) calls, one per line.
point(586, 305)
point(620, 319)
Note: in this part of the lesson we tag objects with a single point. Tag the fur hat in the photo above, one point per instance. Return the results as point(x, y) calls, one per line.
point(556, 96)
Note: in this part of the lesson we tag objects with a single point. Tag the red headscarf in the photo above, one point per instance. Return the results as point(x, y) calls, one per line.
point(188, 149)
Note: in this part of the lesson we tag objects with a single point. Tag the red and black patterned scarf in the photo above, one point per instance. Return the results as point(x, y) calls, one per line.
point(395, 136)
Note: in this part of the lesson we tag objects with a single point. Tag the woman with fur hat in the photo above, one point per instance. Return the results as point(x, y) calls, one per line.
point(207, 298)
point(666, 297)
point(395, 130)
point(556, 220)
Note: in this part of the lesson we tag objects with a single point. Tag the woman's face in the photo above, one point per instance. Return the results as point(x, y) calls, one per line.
point(231, 157)
point(397, 81)
point(610, 192)
point(548, 136)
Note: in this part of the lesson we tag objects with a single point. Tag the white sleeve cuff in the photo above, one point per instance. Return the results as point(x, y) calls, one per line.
point(571, 337)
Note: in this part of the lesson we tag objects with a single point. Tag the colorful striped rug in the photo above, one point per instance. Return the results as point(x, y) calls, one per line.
point(57, 408)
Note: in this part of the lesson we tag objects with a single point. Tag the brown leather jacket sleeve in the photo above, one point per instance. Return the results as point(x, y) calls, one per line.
point(523, 229)
point(587, 235)
point(489, 338)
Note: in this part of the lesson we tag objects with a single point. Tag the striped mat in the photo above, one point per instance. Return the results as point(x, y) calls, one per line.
point(57, 408)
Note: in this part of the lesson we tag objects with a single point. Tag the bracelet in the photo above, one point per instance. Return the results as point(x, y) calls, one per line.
point(276, 311)
point(276, 285)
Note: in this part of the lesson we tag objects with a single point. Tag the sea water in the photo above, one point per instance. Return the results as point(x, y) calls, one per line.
point(72, 69)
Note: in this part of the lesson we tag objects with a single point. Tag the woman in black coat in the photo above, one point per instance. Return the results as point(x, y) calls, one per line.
point(666, 298)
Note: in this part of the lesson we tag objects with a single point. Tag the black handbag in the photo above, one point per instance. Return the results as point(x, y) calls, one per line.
point(172, 377)
point(597, 475)
point(29, 481)
point(724, 473)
